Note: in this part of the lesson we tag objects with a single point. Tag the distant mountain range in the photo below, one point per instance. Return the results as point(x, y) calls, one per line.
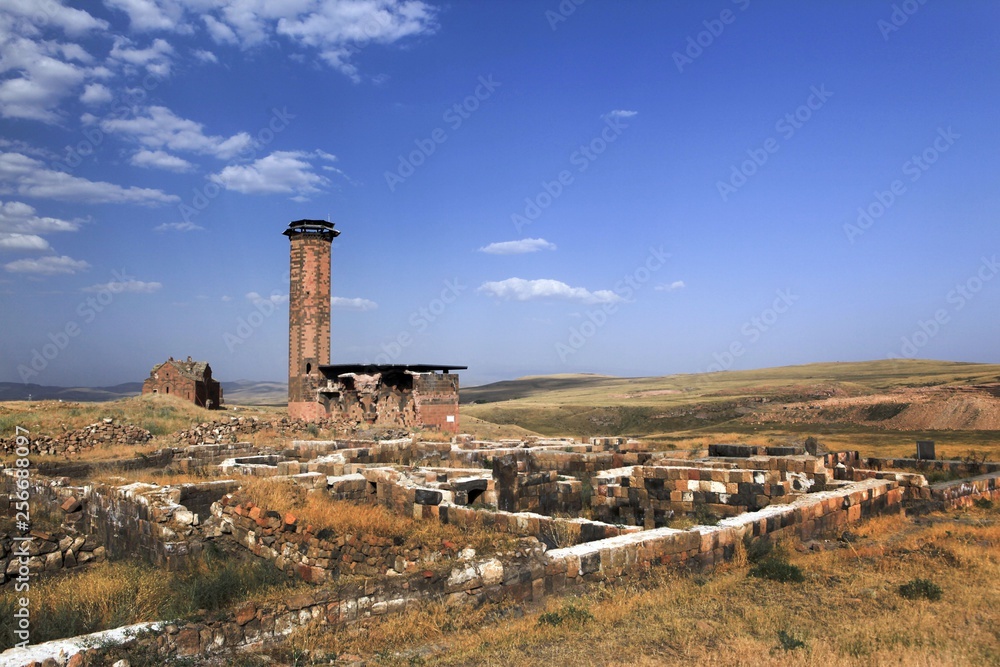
point(238, 392)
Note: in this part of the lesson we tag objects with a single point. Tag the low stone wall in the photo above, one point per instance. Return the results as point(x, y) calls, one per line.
point(105, 433)
point(552, 532)
point(45, 552)
point(964, 493)
point(952, 467)
point(530, 576)
point(319, 556)
point(652, 495)
point(744, 451)
point(704, 546)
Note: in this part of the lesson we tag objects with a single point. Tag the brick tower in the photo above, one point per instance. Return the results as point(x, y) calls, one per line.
point(308, 314)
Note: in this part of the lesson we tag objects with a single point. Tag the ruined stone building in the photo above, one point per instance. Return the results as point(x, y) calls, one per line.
point(404, 395)
point(190, 380)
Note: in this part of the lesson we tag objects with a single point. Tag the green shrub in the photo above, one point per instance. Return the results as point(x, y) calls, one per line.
point(921, 588)
point(789, 642)
point(570, 613)
point(983, 503)
point(777, 569)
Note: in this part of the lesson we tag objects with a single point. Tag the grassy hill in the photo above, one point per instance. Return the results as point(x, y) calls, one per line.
point(650, 406)
point(239, 392)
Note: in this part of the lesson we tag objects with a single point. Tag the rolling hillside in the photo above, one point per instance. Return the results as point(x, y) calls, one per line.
point(827, 393)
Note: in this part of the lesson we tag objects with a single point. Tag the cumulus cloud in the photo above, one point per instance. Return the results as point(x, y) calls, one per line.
point(41, 76)
point(672, 287)
point(281, 172)
point(161, 160)
point(29, 177)
point(95, 94)
point(160, 128)
point(334, 29)
point(205, 56)
point(517, 247)
point(20, 218)
point(274, 299)
point(54, 14)
point(47, 266)
point(22, 242)
point(620, 113)
point(352, 304)
point(518, 289)
point(148, 15)
point(157, 58)
point(130, 286)
point(178, 227)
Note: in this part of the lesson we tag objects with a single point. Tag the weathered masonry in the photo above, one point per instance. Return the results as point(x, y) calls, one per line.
point(190, 380)
point(404, 395)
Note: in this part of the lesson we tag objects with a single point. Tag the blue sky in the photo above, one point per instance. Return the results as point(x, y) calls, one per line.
point(631, 188)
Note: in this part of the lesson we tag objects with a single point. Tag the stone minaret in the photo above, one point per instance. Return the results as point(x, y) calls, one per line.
point(308, 314)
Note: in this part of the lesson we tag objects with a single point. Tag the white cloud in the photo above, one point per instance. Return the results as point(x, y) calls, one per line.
point(517, 247)
point(47, 266)
point(20, 218)
point(53, 13)
point(337, 28)
point(149, 15)
point(178, 227)
point(157, 58)
point(518, 289)
point(620, 113)
point(352, 304)
point(95, 93)
point(131, 286)
point(226, 298)
point(22, 242)
point(161, 128)
point(219, 31)
point(42, 76)
point(161, 160)
point(205, 56)
point(676, 285)
point(274, 299)
point(31, 178)
point(281, 172)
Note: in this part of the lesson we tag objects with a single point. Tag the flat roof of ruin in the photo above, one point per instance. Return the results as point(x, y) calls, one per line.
point(371, 369)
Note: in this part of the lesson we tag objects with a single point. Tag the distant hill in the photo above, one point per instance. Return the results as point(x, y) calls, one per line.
point(239, 392)
point(850, 391)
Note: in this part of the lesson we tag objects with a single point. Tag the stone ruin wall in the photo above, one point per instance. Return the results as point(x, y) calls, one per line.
point(167, 531)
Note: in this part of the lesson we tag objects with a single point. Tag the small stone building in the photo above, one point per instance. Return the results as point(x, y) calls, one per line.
point(190, 380)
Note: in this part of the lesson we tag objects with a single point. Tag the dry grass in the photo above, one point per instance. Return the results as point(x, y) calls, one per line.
point(346, 518)
point(847, 612)
point(109, 595)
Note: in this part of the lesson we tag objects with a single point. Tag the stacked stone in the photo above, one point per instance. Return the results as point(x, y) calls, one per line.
point(47, 552)
point(105, 433)
point(316, 555)
point(643, 495)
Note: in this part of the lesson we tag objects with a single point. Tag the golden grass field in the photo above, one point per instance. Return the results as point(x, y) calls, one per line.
point(847, 611)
